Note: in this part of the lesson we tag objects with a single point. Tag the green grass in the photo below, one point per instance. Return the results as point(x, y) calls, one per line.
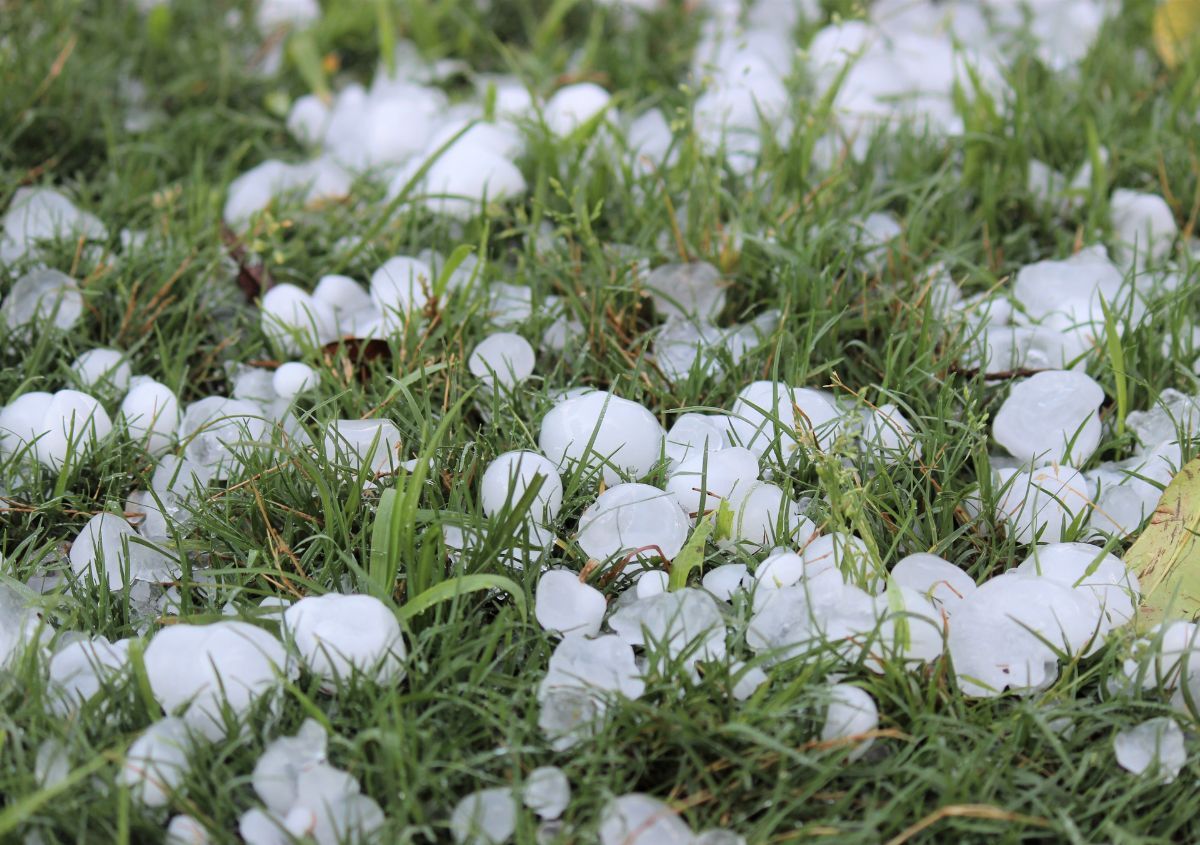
point(466, 716)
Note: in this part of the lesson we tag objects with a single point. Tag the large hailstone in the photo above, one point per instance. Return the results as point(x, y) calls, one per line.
point(633, 518)
point(107, 549)
point(217, 431)
point(547, 791)
point(157, 762)
point(41, 300)
point(150, 412)
point(53, 427)
point(851, 713)
point(694, 434)
point(566, 605)
point(486, 817)
point(700, 483)
point(511, 474)
point(341, 635)
point(583, 675)
point(686, 622)
point(764, 516)
point(692, 291)
point(602, 431)
point(293, 319)
point(276, 775)
point(771, 415)
point(198, 670)
point(1092, 570)
point(637, 819)
point(83, 667)
point(401, 286)
point(939, 579)
point(1155, 747)
point(502, 359)
point(364, 442)
point(1051, 416)
point(103, 369)
point(1041, 503)
point(1005, 633)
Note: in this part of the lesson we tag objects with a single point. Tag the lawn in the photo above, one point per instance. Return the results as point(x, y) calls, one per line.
point(864, 248)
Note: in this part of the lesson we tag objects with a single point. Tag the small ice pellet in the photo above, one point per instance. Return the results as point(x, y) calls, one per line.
point(104, 369)
point(851, 712)
point(547, 792)
point(1155, 748)
point(566, 605)
point(293, 378)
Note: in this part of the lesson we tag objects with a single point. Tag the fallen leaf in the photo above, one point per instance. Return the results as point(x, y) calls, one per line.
point(351, 357)
point(252, 279)
point(1176, 29)
point(1166, 557)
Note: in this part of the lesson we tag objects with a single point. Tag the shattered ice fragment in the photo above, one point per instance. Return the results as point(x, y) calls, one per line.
point(547, 792)
point(157, 762)
point(486, 817)
point(851, 713)
point(637, 819)
point(633, 519)
point(1155, 748)
point(342, 635)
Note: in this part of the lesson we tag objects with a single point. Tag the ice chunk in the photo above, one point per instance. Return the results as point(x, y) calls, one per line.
point(43, 214)
point(150, 412)
point(1142, 223)
point(769, 415)
point(1173, 413)
point(566, 605)
point(293, 378)
point(851, 713)
point(1094, 571)
point(459, 180)
point(401, 286)
point(637, 819)
point(701, 482)
point(1051, 416)
point(217, 430)
point(157, 762)
point(293, 319)
point(765, 516)
point(486, 817)
point(601, 430)
point(686, 623)
point(1041, 503)
point(510, 475)
point(633, 519)
point(1154, 748)
point(583, 675)
point(574, 105)
point(936, 577)
point(363, 441)
point(198, 670)
point(651, 582)
point(82, 668)
point(547, 791)
point(339, 636)
point(690, 290)
point(103, 369)
point(692, 435)
point(724, 580)
point(108, 550)
point(276, 775)
point(19, 624)
point(185, 830)
point(503, 359)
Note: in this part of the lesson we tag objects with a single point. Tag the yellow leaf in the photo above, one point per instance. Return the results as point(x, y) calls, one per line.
point(1166, 557)
point(1176, 29)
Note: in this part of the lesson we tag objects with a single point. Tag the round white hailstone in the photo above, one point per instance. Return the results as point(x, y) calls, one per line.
point(198, 669)
point(19, 624)
point(21, 421)
point(293, 319)
point(106, 541)
point(1004, 634)
point(157, 762)
point(103, 369)
point(632, 518)
point(1041, 503)
point(888, 434)
point(624, 438)
point(74, 423)
point(687, 290)
point(913, 627)
point(461, 179)
point(725, 580)
point(307, 119)
point(694, 434)
point(293, 378)
point(844, 553)
point(1164, 657)
point(700, 483)
point(782, 568)
point(151, 415)
point(502, 358)
point(1144, 223)
point(851, 713)
point(486, 817)
point(258, 827)
point(769, 414)
point(358, 440)
point(766, 517)
point(748, 679)
point(507, 478)
point(574, 105)
point(276, 774)
point(637, 819)
point(52, 764)
point(401, 286)
point(547, 791)
point(566, 605)
point(1084, 567)
point(42, 296)
point(81, 668)
point(340, 635)
point(342, 294)
point(650, 583)
point(185, 830)
point(1155, 747)
point(936, 577)
point(1048, 411)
